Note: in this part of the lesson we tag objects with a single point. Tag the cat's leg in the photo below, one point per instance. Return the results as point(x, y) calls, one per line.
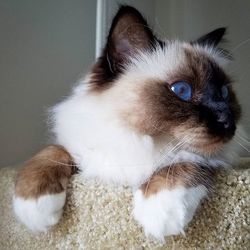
point(40, 189)
point(167, 202)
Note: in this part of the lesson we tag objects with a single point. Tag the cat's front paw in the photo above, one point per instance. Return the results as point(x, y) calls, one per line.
point(41, 213)
point(168, 211)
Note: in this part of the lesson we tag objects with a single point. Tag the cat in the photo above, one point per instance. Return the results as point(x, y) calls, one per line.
point(156, 115)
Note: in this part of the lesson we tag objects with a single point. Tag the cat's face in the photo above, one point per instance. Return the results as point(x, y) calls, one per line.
point(167, 88)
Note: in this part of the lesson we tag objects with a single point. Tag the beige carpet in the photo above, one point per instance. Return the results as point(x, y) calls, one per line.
point(99, 217)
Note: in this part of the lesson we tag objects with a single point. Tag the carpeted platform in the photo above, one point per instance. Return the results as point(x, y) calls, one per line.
point(99, 217)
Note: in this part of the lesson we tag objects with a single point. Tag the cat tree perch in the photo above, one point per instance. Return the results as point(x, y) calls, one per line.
point(99, 217)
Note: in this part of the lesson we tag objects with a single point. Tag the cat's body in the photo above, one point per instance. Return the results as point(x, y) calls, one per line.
point(155, 115)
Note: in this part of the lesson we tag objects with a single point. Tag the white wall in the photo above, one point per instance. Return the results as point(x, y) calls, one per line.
point(44, 45)
point(188, 19)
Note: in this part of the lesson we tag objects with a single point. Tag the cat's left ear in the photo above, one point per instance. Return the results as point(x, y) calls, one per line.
point(129, 33)
point(212, 38)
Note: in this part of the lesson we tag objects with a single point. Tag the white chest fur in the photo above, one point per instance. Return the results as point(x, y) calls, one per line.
point(100, 147)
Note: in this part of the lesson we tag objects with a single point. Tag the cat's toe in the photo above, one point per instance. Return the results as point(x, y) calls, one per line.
point(166, 212)
point(41, 213)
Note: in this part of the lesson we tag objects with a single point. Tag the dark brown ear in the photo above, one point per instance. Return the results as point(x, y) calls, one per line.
point(212, 38)
point(129, 33)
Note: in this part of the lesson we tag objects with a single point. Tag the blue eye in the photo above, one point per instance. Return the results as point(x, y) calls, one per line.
point(182, 89)
point(224, 92)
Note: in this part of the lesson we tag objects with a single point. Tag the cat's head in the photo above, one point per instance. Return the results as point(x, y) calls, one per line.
point(162, 87)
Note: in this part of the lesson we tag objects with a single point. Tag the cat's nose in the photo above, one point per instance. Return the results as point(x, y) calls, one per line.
point(225, 120)
point(225, 124)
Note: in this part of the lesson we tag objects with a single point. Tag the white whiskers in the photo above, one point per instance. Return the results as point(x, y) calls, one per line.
point(240, 143)
point(62, 163)
point(242, 138)
point(241, 44)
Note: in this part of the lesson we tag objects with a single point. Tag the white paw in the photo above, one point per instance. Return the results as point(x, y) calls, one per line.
point(168, 211)
point(39, 214)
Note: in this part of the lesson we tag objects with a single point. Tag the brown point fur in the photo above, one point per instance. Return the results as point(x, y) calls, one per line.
point(48, 172)
point(156, 110)
point(180, 174)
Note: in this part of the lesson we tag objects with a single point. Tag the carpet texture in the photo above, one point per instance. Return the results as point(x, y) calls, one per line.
point(99, 217)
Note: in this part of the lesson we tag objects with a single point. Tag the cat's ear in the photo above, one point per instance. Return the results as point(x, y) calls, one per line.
point(129, 32)
point(212, 38)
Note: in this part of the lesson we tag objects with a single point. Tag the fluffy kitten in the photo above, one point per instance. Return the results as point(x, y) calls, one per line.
point(155, 115)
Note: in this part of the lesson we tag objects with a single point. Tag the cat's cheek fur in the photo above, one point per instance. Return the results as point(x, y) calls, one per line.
point(168, 211)
point(41, 213)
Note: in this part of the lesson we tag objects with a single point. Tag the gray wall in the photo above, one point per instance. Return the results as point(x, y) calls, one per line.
point(45, 45)
point(188, 19)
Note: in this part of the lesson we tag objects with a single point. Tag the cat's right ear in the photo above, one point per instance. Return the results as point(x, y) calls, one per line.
point(129, 33)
